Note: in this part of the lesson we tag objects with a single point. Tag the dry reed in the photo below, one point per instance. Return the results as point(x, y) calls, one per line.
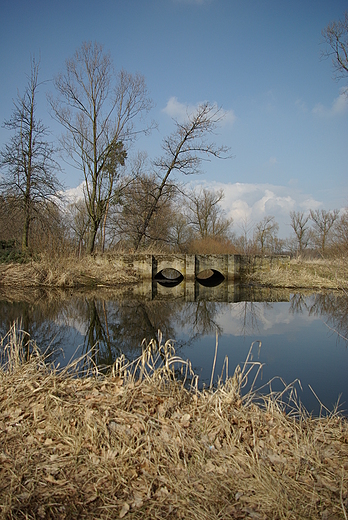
point(144, 442)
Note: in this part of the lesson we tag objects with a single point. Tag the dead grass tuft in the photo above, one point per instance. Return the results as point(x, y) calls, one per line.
point(143, 442)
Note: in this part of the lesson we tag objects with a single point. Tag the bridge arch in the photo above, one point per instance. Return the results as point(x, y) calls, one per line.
point(169, 277)
point(210, 278)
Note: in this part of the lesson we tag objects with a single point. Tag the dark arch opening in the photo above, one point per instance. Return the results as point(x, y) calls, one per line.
point(210, 278)
point(169, 277)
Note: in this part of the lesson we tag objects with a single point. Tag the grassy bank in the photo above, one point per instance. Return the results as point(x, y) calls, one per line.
point(64, 272)
point(140, 444)
point(304, 274)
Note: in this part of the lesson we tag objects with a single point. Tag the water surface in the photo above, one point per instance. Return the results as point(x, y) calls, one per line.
point(299, 336)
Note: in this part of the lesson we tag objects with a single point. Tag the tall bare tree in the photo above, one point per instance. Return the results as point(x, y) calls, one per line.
point(28, 159)
point(323, 222)
point(243, 242)
point(206, 216)
point(265, 234)
point(341, 233)
point(184, 150)
point(299, 223)
point(99, 109)
point(336, 37)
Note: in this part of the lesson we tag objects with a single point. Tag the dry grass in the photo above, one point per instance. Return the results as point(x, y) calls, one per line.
point(299, 274)
point(140, 444)
point(64, 272)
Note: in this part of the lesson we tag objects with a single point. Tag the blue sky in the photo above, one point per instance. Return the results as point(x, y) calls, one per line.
point(286, 117)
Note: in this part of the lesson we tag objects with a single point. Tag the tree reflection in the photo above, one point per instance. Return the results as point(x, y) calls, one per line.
point(36, 316)
point(134, 321)
point(298, 303)
point(98, 343)
point(200, 319)
point(334, 308)
point(111, 328)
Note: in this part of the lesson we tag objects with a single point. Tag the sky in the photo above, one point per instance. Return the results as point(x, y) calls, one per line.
point(261, 61)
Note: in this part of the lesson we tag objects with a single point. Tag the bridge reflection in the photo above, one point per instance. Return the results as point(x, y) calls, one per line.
point(191, 291)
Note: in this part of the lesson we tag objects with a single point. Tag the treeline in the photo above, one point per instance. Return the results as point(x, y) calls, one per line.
point(129, 202)
point(315, 233)
point(185, 221)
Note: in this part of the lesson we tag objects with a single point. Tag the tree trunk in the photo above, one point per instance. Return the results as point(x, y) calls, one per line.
point(26, 226)
point(92, 237)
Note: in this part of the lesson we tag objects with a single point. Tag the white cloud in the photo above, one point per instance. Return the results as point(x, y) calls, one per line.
point(270, 322)
point(74, 194)
point(180, 111)
point(249, 203)
point(338, 107)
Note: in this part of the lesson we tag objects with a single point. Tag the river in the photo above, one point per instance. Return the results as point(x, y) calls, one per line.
point(296, 337)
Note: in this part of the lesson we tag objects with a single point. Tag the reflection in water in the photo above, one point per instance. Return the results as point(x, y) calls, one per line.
point(210, 278)
point(104, 326)
point(249, 316)
point(37, 315)
point(169, 277)
point(331, 307)
point(169, 283)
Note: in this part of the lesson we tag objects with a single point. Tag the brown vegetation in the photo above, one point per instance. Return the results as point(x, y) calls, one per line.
point(300, 274)
point(137, 443)
point(63, 272)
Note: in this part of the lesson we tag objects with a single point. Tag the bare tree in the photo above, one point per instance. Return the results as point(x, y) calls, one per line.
point(11, 222)
point(266, 233)
point(27, 159)
point(184, 150)
point(299, 223)
point(243, 243)
point(180, 232)
point(98, 109)
point(336, 37)
point(323, 222)
point(206, 216)
point(341, 233)
point(78, 222)
point(134, 205)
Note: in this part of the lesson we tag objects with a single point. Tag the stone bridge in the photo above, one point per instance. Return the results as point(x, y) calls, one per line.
point(204, 277)
point(192, 267)
point(172, 267)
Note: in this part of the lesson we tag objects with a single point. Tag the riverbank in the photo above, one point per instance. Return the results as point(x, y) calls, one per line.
point(138, 443)
point(67, 272)
point(303, 274)
point(99, 271)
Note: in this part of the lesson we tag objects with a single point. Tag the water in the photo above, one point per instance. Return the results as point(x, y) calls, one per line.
point(297, 336)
